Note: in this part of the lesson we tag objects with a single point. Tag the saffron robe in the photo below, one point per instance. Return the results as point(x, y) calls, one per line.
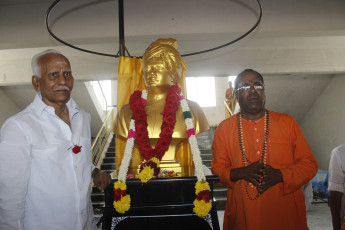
point(281, 206)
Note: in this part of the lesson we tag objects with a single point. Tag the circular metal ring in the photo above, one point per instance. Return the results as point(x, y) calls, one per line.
point(116, 56)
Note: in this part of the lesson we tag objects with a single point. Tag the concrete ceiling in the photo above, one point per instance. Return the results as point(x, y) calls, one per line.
point(298, 46)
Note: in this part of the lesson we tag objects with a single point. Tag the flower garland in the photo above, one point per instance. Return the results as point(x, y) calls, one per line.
point(202, 204)
point(150, 167)
point(152, 156)
point(137, 104)
point(121, 199)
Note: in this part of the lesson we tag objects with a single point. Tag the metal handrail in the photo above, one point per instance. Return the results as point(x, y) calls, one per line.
point(226, 106)
point(101, 141)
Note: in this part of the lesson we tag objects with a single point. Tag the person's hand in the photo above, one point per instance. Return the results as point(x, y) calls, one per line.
point(271, 177)
point(101, 179)
point(251, 173)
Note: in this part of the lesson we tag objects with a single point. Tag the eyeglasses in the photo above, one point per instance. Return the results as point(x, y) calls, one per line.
point(246, 88)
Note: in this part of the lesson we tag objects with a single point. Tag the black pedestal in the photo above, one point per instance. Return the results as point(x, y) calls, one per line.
point(164, 203)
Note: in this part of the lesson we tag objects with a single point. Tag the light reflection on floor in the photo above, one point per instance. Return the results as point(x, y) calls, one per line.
point(318, 217)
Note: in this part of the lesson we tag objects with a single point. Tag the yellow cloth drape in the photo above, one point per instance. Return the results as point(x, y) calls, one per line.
point(130, 78)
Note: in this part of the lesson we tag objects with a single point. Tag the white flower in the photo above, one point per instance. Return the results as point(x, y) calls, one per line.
point(144, 94)
point(127, 155)
point(184, 105)
point(193, 143)
point(189, 123)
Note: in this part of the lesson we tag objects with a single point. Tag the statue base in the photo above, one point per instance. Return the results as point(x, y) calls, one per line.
point(179, 171)
point(164, 203)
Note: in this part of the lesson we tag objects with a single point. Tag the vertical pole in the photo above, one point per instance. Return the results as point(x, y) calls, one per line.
point(121, 29)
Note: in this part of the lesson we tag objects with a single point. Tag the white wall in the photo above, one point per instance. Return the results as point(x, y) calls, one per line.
point(9, 109)
point(324, 124)
point(216, 114)
point(83, 97)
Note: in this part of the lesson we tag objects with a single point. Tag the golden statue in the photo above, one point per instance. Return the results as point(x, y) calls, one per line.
point(163, 67)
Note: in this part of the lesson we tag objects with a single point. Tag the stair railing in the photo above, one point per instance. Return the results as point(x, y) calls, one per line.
point(101, 141)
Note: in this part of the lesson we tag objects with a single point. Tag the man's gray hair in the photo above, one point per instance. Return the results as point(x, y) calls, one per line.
point(36, 69)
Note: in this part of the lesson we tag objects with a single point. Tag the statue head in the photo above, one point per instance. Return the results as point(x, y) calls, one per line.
point(162, 63)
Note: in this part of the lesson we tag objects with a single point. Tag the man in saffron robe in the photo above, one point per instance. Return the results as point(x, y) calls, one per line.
point(264, 159)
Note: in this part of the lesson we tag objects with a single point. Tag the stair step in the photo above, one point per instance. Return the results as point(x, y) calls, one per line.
point(220, 203)
point(206, 151)
point(207, 163)
point(109, 160)
point(206, 157)
point(108, 166)
point(220, 188)
point(98, 204)
point(97, 197)
point(111, 148)
point(110, 154)
point(219, 194)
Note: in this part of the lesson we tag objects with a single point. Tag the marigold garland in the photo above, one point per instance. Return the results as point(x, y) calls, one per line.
point(201, 208)
point(122, 201)
point(150, 167)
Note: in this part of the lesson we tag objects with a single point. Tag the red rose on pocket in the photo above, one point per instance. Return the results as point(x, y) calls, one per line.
point(76, 149)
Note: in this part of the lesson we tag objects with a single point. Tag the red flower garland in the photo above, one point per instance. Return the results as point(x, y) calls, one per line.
point(204, 195)
point(167, 128)
point(118, 194)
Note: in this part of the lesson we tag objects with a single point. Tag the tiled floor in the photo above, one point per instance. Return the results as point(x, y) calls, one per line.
point(318, 217)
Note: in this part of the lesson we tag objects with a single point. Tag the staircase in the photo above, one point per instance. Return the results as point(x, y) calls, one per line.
point(204, 141)
point(109, 166)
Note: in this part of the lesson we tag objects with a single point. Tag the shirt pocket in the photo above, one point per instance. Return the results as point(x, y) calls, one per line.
point(280, 151)
point(55, 153)
point(49, 162)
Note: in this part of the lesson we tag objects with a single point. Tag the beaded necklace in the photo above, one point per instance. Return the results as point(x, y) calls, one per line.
point(242, 147)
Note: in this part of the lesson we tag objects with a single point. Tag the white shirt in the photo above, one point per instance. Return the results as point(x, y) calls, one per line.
point(43, 184)
point(337, 169)
point(336, 173)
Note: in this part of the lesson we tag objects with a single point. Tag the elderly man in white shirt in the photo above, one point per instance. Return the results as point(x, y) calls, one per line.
point(45, 156)
point(336, 186)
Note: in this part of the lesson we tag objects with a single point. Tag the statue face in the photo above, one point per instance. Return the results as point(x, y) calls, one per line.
point(155, 73)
